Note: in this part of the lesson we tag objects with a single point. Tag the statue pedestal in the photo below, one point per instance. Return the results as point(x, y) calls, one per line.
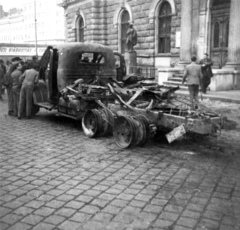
point(131, 61)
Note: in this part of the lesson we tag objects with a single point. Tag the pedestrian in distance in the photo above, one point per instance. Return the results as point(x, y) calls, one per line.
point(7, 82)
point(28, 79)
point(34, 58)
point(206, 64)
point(16, 87)
point(3, 67)
point(8, 64)
point(1, 79)
point(193, 74)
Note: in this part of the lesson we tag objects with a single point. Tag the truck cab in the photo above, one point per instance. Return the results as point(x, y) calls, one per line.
point(63, 64)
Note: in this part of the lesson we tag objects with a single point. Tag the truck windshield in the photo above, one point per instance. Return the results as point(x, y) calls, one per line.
point(91, 58)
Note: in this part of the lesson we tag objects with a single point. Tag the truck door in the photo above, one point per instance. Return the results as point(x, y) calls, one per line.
point(51, 76)
point(46, 93)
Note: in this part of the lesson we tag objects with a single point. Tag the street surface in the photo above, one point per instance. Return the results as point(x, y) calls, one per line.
point(53, 177)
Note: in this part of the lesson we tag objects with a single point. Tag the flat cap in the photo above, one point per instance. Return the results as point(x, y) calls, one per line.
point(16, 59)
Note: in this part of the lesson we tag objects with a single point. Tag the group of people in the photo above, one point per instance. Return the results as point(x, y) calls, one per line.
point(19, 79)
point(198, 75)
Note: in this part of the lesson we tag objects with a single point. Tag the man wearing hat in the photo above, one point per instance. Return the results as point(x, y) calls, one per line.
point(206, 64)
point(1, 78)
point(7, 82)
point(28, 79)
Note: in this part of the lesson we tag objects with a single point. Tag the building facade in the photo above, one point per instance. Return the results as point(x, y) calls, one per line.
point(169, 32)
point(20, 27)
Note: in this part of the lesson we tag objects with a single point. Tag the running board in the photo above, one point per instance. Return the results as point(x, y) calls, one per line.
point(66, 115)
point(47, 105)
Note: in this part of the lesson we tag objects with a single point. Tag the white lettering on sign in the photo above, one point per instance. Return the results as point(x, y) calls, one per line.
point(21, 51)
point(176, 133)
point(3, 49)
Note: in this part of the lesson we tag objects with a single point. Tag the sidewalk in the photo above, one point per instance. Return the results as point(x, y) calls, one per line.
point(232, 96)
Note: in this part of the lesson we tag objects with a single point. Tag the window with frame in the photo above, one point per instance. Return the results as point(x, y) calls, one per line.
point(80, 30)
point(164, 30)
point(96, 58)
point(124, 27)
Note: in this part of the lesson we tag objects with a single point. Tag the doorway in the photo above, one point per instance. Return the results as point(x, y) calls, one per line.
point(220, 32)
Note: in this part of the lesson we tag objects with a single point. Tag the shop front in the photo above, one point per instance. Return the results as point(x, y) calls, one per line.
point(25, 52)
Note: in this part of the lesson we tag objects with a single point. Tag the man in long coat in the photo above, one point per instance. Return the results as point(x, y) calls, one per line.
point(29, 79)
point(7, 82)
point(1, 78)
point(16, 87)
point(206, 64)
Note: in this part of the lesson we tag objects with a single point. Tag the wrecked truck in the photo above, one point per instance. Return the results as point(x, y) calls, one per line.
point(63, 64)
point(88, 82)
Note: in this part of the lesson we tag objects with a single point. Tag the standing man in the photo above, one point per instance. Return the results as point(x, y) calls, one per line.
point(1, 79)
point(2, 73)
point(29, 79)
point(7, 82)
point(206, 64)
point(16, 87)
point(3, 66)
point(131, 37)
point(193, 73)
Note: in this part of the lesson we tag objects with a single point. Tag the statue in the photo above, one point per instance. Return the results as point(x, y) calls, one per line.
point(131, 37)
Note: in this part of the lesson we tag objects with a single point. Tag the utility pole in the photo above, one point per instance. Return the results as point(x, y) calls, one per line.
point(35, 19)
point(10, 29)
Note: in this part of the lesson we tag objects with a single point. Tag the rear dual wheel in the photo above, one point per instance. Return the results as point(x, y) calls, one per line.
point(131, 131)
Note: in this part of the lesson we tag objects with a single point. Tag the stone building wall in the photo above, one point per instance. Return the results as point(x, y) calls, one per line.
point(100, 28)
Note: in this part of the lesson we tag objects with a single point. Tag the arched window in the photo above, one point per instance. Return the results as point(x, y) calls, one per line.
point(124, 27)
point(164, 32)
point(216, 34)
point(80, 30)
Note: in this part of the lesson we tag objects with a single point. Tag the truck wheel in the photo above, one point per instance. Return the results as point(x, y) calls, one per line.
point(91, 123)
point(124, 131)
point(35, 109)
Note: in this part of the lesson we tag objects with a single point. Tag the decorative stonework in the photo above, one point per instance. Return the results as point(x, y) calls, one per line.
point(77, 14)
point(155, 6)
point(102, 20)
point(117, 13)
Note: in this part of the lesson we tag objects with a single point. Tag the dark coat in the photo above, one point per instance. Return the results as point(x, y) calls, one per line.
point(206, 67)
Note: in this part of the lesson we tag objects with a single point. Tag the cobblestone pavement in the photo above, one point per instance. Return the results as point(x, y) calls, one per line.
point(53, 177)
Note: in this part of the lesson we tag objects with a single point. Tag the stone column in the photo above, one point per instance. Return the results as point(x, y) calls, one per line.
point(186, 32)
point(201, 42)
point(234, 34)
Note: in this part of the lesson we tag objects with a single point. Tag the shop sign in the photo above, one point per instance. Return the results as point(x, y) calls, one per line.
point(21, 51)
